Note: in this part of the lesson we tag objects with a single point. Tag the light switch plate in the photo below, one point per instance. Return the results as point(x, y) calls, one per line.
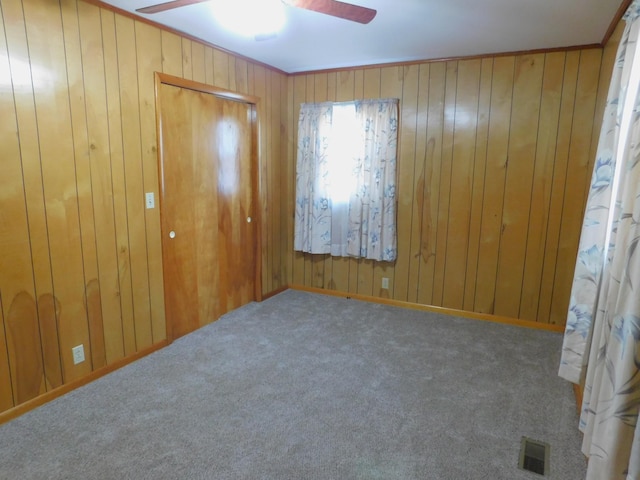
point(150, 200)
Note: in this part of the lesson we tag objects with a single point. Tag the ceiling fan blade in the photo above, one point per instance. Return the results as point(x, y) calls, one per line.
point(161, 7)
point(335, 8)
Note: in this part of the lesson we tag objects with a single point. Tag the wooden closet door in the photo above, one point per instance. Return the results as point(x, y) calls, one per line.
point(237, 240)
point(208, 247)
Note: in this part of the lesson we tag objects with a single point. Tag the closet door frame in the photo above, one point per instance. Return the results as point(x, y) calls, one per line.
point(253, 104)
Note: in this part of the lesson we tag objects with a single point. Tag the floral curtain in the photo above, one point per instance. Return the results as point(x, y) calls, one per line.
point(346, 179)
point(312, 215)
point(601, 346)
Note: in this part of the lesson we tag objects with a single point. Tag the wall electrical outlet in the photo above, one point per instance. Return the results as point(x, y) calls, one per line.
point(78, 354)
point(385, 282)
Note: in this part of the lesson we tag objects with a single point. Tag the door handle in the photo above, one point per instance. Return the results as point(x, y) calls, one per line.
point(172, 234)
point(248, 219)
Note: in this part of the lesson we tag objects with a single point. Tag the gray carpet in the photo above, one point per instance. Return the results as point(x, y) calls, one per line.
point(306, 386)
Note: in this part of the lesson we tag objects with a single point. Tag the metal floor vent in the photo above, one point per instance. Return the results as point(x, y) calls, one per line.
point(534, 456)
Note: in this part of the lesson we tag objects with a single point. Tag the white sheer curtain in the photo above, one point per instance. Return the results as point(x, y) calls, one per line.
point(346, 179)
point(602, 339)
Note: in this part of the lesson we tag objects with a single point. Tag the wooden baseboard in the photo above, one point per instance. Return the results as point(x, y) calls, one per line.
point(578, 391)
point(67, 387)
point(274, 292)
point(430, 308)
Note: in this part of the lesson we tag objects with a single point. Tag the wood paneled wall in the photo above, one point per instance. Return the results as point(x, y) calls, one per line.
point(495, 155)
point(80, 256)
point(495, 158)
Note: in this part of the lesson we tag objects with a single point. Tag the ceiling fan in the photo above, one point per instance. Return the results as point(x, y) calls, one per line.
point(346, 11)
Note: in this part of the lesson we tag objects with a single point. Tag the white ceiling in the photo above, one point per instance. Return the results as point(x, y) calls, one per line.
point(403, 30)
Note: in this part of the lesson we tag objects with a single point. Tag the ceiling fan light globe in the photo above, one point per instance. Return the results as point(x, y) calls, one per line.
point(250, 18)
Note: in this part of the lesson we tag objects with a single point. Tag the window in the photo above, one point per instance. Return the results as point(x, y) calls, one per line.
point(345, 179)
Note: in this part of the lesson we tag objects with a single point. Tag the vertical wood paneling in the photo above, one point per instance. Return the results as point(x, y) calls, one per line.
point(260, 90)
point(431, 182)
point(77, 106)
point(150, 44)
point(171, 54)
point(268, 174)
point(289, 158)
point(558, 184)
point(93, 58)
point(44, 33)
point(495, 173)
point(271, 88)
point(480, 166)
point(541, 192)
point(251, 78)
point(464, 140)
point(286, 195)
point(418, 212)
point(80, 256)
point(488, 218)
point(220, 69)
point(495, 156)
point(118, 179)
point(131, 143)
point(197, 62)
point(25, 351)
point(232, 85)
point(332, 86)
point(578, 176)
point(406, 175)
point(9, 196)
point(23, 377)
point(187, 67)
point(8, 182)
point(446, 173)
point(275, 171)
point(517, 190)
point(208, 65)
point(6, 389)
point(241, 76)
